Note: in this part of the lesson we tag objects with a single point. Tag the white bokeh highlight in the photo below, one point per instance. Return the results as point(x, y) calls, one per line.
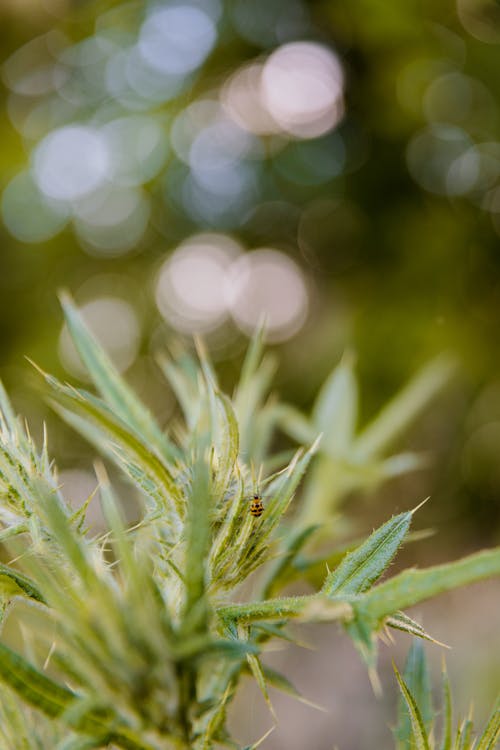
point(302, 88)
point(71, 162)
point(209, 279)
point(190, 285)
point(177, 39)
point(267, 286)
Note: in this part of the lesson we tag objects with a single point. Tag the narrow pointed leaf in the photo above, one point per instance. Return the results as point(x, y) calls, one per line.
point(362, 567)
point(416, 677)
point(258, 673)
point(464, 735)
point(335, 409)
point(228, 443)
point(360, 630)
point(197, 545)
point(419, 735)
point(491, 734)
point(99, 425)
point(111, 385)
point(446, 729)
point(401, 621)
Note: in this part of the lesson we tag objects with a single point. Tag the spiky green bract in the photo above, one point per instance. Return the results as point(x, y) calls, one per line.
point(362, 567)
point(491, 735)
point(418, 735)
point(415, 730)
point(24, 473)
point(417, 680)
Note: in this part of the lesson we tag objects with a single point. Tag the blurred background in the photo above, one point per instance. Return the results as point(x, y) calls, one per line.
point(186, 166)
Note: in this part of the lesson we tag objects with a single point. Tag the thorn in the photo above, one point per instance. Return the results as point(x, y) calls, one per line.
point(200, 348)
point(64, 297)
point(375, 681)
point(311, 704)
point(51, 651)
point(420, 505)
point(315, 445)
point(264, 737)
point(37, 367)
point(100, 472)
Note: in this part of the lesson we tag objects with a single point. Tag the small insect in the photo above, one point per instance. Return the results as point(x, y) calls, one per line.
point(256, 506)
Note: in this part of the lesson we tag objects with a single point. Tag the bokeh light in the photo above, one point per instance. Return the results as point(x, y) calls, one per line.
point(137, 148)
point(302, 87)
point(209, 278)
point(481, 18)
point(177, 38)
point(432, 155)
point(267, 286)
point(112, 221)
point(190, 286)
point(71, 162)
point(22, 198)
point(242, 99)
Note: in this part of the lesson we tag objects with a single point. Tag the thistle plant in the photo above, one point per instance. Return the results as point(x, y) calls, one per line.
point(137, 636)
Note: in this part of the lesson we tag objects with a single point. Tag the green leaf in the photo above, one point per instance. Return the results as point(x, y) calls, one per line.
point(446, 729)
point(418, 733)
point(359, 569)
point(414, 586)
point(256, 376)
point(116, 439)
point(111, 385)
point(416, 676)
point(360, 630)
point(227, 443)
point(464, 734)
point(197, 544)
point(335, 410)
point(258, 673)
point(491, 734)
point(182, 375)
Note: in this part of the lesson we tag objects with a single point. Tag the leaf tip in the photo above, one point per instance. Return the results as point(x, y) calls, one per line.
point(65, 298)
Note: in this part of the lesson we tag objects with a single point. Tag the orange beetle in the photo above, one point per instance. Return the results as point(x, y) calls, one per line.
point(256, 506)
